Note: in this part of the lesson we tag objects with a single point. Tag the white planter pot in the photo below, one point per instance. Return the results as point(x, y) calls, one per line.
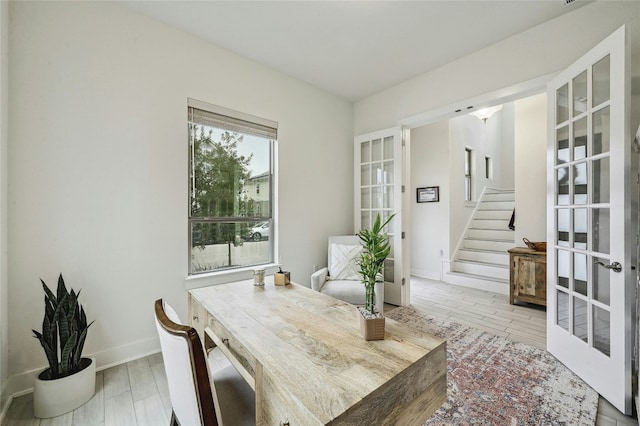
point(52, 398)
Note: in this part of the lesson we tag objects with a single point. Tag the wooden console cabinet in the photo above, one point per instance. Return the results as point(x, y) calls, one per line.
point(528, 275)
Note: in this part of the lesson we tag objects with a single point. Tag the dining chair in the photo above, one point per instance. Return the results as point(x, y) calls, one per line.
point(194, 401)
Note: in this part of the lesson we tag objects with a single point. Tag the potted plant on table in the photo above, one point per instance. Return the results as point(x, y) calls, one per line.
point(70, 380)
point(376, 249)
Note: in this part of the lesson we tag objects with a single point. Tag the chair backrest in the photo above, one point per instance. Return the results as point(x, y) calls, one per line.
point(186, 367)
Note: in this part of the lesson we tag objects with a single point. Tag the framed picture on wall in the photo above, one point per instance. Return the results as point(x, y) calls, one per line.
point(428, 194)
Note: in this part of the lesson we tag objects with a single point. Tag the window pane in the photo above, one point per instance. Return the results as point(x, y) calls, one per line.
point(229, 245)
point(230, 190)
point(230, 174)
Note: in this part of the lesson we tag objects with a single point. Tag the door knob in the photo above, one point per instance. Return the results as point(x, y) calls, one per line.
point(615, 266)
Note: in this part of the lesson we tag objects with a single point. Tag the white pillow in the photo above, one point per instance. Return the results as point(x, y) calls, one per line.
point(343, 262)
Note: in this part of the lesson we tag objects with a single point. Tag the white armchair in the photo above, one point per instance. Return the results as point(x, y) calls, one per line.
point(340, 279)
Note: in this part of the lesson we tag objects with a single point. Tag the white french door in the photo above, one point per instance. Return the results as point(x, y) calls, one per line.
point(379, 177)
point(591, 233)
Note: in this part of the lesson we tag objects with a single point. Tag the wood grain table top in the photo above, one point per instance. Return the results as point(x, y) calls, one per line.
point(305, 351)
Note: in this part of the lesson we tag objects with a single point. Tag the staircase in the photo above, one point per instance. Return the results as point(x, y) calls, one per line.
point(482, 260)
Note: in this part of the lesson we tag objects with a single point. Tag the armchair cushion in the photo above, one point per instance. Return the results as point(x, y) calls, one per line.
point(343, 262)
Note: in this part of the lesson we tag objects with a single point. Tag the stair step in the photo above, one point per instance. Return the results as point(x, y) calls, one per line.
point(480, 282)
point(496, 205)
point(490, 223)
point(481, 268)
point(484, 256)
point(485, 244)
point(499, 196)
point(493, 214)
point(491, 234)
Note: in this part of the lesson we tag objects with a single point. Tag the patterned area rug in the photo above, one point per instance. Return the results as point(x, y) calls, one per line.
point(492, 380)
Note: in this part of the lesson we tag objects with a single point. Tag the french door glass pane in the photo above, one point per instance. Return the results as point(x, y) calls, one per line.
point(564, 223)
point(562, 137)
point(601, 131)
point(601, 79)
point(563, 268)
point(601, 330)
point(376, 150)
point(376, 174)
point(365, 175)
point(580, 319)
point(365, 219)
point(580, 139)
point(562, 179)
point(562, 103)
point(601, 180)
point(388, 148)
point(580, 93)
point(580, 273)
point(562, 314)
point(601, 230)
point(387, 201)
point(388, 173)
point(376, 197)
point(601, 281)
point(365, 152)
point(365, 198)
point(580, 183)
point(580, 229)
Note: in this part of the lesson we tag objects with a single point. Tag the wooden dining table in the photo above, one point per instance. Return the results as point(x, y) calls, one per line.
point(303, 354)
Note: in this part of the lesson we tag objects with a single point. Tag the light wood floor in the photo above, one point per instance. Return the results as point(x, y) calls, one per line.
point(136, 393)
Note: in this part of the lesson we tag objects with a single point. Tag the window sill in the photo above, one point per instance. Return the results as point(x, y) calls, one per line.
point(223, 277)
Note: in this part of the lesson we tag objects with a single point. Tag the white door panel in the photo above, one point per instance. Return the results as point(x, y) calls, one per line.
point(378, 181)
point(590, 231)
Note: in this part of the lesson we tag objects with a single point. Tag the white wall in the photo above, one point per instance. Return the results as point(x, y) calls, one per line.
point(541, 50)
point(4, 283)
point(430, 221)
point(98, 167)
point(531, 170)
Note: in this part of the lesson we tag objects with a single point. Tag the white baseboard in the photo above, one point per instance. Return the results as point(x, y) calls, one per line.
point(22, 383)
point(423, 273)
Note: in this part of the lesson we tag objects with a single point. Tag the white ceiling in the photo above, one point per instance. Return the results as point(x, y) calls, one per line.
point(354, 48)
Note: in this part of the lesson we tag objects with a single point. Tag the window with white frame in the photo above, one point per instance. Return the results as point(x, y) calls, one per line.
point(468, 172)
point(231, 179)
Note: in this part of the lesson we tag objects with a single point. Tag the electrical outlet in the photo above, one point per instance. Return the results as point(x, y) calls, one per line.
point(315, 267)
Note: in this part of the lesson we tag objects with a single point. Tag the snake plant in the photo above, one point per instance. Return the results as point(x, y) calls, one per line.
point(375, 251)
point(64, 330)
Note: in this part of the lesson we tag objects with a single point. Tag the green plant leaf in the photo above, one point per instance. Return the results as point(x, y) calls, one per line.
point(66, 354)
point(62, 289)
